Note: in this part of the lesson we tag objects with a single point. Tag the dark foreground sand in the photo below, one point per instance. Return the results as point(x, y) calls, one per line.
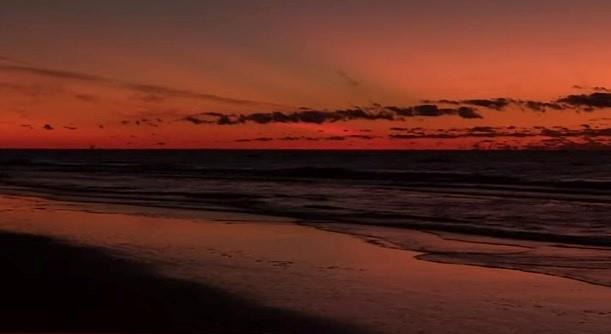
point(49, 286)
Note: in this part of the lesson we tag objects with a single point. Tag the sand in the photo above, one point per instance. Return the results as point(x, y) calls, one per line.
point(318, 277)
point(49, 286)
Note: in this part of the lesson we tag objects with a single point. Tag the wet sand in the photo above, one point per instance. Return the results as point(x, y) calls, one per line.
point(589, 264)
point(309, 273)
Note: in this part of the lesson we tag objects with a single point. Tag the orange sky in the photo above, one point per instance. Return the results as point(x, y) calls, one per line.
point(144, 74)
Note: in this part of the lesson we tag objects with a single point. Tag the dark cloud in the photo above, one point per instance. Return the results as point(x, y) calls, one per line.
point(488, 144)
point(263, 139)
point(70, 127)
point(48, 127)
point(595, 88)
point(497, 103)
point(466, 112)
point(406, 129)
point(153, 122)
point(401, 111)
point(594, 100)
point(195, 120)
point(501, 103)
point(481, 129)
point(601, 98)
point(495, 132)
point(306, 138)
point(566, 144)
point(290, 138)
point(209, 118)
point(433, 110)
point(364, 137)
point(444, 101)
point(302, 115)
point(540, 106)
point(428, 110)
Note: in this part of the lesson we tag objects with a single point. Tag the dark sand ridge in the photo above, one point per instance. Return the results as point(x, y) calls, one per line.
point(50, 286)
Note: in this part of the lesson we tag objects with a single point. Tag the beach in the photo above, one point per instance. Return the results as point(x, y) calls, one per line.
point(305, 167)
point(239, 273)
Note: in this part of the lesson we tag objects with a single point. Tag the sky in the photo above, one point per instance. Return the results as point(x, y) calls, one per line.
point(305, 74)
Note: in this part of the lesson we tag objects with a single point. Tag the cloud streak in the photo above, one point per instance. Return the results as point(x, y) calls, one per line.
point(157, 90)
point(348, 79)
point(13, 60)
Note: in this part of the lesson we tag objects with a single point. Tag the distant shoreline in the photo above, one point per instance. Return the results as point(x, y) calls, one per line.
point(156, 148)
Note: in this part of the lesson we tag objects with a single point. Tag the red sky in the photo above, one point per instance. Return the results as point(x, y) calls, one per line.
point(353, 75)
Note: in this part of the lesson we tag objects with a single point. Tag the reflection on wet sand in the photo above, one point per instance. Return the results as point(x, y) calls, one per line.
point(321, 273)
point(584, 263)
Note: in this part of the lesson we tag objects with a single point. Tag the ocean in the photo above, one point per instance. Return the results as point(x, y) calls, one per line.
point(532, 195)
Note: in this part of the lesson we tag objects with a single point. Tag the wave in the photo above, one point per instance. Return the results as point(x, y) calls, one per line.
point(553, 197)
point(260, 205)
point(312, 173)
